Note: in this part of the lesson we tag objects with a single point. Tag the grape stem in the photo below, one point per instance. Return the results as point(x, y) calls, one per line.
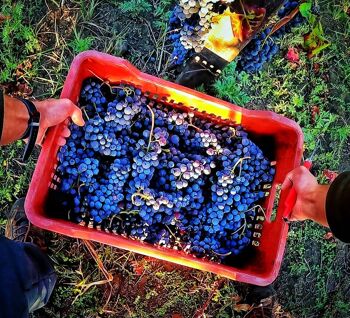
point(171, 232)
point(245, 220)
point(239, 162)
point(173, 235)
point(265, 40)
point(226, 254)
point(98, 113)
point(260, 209)
point(80, 187)
point(96, 76)
point(112, 218)
point(128, 91)
point(194, 126)
point(83, 109)
point(152, 127)
point(138, 194)
point(243, 227)
point(233, 130)
point(129, 212)
point(103, 82)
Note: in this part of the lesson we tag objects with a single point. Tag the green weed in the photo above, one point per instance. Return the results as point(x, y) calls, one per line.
point(17, 40)
point(312, 259)
point(135, 8)
point(343, 307)
point(80, 43)
point(116, 45)
point(87, 9)
point(162, 14)
point(230, 86)
point(14, 176)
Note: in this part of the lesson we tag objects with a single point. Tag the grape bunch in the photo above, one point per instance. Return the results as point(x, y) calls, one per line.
point(263, 47)
point(189, 24)
point(176, 20)
point(162, 175)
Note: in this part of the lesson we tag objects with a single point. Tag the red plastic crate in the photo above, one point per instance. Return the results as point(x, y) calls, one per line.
point(282, 136)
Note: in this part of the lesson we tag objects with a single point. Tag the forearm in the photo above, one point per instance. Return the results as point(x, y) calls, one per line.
point(317, 201)
point(15, 120)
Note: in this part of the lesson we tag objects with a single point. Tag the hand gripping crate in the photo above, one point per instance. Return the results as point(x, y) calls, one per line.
point(280, 138)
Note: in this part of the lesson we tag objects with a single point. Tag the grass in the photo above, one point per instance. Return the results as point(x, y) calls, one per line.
point(17, 40)
point(231, 85)
point(134, 8)
point(79, 43)
point(14, 178)
point(312, 261)
point(45, 36)
point(88, 9)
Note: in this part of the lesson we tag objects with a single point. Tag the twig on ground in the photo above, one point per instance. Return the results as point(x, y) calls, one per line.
point(108, 275)
point(215, 287)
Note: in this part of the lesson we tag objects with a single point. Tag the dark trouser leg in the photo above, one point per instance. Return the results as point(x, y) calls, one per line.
point(27, 278)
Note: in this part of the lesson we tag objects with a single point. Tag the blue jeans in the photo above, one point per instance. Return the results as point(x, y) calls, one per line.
point(27, 278)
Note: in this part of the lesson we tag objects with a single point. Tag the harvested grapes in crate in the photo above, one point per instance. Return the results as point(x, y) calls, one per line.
point(160, 173)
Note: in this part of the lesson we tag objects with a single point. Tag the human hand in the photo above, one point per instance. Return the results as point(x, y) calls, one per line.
point(55, 111)
point(311, 196)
